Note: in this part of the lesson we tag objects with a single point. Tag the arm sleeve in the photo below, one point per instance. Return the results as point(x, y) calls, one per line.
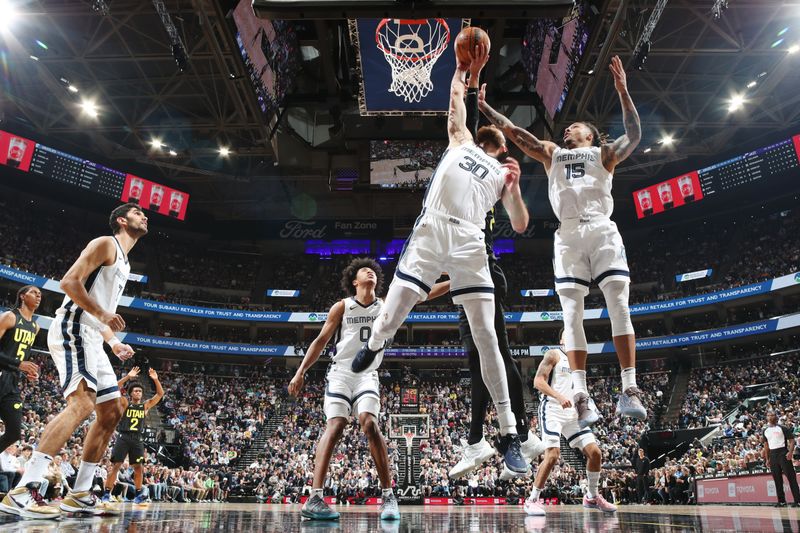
point(472, 112)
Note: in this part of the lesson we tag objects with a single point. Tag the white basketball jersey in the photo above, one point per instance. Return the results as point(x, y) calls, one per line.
point(561, 377)
point(466, 184)
point(354, 331)
point(105, 285)
point(579, 184)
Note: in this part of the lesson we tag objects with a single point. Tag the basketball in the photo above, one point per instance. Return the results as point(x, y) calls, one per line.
point(467, 40)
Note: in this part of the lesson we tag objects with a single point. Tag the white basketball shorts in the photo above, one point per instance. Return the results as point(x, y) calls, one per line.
point(586, 250)
point(442, 243)
point(77, 351)
point(555, 421)
point(349, 394)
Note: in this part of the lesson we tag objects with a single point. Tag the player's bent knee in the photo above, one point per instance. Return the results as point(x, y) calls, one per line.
point(616, 294)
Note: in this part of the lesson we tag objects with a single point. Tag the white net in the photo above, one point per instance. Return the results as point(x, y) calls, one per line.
point(411, 48)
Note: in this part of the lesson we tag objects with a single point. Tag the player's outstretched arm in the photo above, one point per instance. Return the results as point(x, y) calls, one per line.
point(512, 197)
point(547, 365)
point(457, 115)
point(618, 151)
point(438, 289)
point(149, 404)
point(332, 323)
point(541, 151)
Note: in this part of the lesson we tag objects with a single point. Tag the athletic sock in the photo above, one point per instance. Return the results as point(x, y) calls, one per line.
point(579, 381)
point(387, 492)
point(316, 492)
point(628, 378)
point(594, 480)
point(535, 493)
point(35, 469)
point(83, 481)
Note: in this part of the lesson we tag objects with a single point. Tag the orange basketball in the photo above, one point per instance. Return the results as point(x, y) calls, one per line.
point(467, 40)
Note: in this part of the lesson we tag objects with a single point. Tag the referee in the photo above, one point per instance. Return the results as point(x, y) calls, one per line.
point(779, 447)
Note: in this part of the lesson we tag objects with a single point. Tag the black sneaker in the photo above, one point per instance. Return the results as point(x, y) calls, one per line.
point(509, 446)
point(364, 358)
point(780, 504)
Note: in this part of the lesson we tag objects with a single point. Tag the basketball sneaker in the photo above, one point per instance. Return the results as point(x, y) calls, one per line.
point(28, 503)
point(365, 357)
point(389, 508)
point(598, 502)
point(87, 503)
point(474, 455)
point(532, 448)
point(534, 507)
point(140, 499)
point(315, 508)
point(106, 496)
point(630, 404)
point(587, 411)
point(509, 446)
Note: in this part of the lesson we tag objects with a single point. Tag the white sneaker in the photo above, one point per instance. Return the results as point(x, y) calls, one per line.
point(28, 503)
point(87, 503)
point(532, 448)
point(534, 508)
point(474, 455)
point(507, 474)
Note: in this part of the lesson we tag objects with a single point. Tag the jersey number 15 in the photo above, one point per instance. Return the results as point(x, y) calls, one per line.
point(575, 170)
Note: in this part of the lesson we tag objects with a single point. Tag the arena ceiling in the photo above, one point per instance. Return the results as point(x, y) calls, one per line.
point(120, 54)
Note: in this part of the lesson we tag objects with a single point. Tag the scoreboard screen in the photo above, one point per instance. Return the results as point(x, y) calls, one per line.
point(35, 158)
point(741, 170)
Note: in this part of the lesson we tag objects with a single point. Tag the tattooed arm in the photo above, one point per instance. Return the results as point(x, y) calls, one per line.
point(541, 151)
point(546, 367)
point(619, 150)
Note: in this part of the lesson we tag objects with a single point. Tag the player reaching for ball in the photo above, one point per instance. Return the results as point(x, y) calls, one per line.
point(448, 236)
point(587, 245)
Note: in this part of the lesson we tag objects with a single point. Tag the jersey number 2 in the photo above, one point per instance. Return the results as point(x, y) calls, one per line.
point(575, 170)
point(134, 424)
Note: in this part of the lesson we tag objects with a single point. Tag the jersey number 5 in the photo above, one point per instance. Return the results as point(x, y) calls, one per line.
point(473, 167)
point(575, 170)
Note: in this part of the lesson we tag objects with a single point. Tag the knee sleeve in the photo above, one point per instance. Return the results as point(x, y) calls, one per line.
point(616, 294)
point(572, 308)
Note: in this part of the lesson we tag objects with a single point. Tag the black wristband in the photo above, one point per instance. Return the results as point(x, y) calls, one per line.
point(472, 90)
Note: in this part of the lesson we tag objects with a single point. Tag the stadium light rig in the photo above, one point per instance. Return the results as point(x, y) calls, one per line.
point(8, 16)
point(89, 107)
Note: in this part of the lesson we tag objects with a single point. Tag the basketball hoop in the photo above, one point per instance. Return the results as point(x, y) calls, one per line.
point(412, 47)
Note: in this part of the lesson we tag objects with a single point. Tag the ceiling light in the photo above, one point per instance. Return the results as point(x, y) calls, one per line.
point(173, 153)
point(736, 103)
point(752, 84)
point(784, 30)
point(41, 44)
point(8, 15)
point(666, 140)
point(224, 151)
point(89, 107)
point(591, 71)
point(72, 88)
point(793, 49)
point(647, 150)
point(156, 143)
point(34, 58)
point(776, 43)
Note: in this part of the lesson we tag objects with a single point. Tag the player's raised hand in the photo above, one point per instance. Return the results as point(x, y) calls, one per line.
point(618, 71)
point(296, 385)
point(153, 374)
point(123, 351)
point(479, 56)
point(512, 172)
point(30, 369)
point(134, 372)
point(482, 95)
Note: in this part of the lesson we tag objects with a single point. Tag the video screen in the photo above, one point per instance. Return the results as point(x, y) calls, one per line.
point(271, 54)
point(403, 164)
point(668, 194)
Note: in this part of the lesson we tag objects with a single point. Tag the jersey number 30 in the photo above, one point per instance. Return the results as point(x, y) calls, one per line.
point(473, 167)
point(575, 170)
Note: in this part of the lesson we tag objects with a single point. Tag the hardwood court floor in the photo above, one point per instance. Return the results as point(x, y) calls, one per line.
point(240, 518)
